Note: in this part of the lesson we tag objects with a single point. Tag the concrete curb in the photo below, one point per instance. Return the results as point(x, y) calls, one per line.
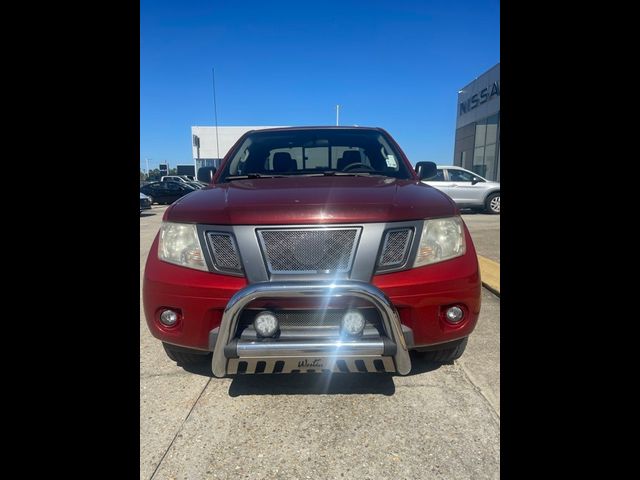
point(490, 274)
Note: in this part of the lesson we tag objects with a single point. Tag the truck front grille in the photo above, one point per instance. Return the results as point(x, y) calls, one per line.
point(309, 250)
point(395, 248)
point(224, 252)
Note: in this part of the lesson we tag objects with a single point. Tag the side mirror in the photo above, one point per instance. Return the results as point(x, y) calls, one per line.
point(205, 174)
point(426, 170)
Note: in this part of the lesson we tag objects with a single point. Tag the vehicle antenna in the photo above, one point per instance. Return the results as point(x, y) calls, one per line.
point(215, 111)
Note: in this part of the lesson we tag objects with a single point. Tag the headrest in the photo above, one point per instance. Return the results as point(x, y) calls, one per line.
point(282, 162)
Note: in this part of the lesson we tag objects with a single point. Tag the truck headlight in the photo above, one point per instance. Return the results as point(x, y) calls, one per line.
point(179, 244)
point(441, 239)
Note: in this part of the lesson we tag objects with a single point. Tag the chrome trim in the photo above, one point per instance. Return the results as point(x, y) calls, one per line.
point(388, 313)
point(272, 271)
point(310, 348)
point(314, 331)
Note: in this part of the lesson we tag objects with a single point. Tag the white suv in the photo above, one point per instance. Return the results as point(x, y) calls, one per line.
point(467, 189)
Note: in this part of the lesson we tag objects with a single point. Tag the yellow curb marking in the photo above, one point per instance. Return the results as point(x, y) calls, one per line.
point(490, 273)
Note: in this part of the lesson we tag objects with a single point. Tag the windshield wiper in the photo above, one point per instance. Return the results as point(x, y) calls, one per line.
point(253, 175)
point(323, 174)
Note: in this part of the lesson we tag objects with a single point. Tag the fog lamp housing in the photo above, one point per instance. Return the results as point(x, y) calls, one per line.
point(353, 323)
point(454, 314)
point(169, 318)
point(266, 324)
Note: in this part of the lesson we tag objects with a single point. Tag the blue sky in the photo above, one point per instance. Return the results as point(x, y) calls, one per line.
point(391, 64)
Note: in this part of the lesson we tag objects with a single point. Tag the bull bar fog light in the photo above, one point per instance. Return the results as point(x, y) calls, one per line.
point(353, 322)
point(266, 324)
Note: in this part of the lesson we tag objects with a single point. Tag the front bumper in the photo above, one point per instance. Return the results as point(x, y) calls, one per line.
point(310, 354)
point(418, 296)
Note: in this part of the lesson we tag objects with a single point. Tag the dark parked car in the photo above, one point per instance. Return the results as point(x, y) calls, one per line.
point(145, 202)
point(183, 180)
point(166, 192)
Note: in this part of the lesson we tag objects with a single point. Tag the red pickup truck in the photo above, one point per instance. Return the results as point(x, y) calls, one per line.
point(313, 249)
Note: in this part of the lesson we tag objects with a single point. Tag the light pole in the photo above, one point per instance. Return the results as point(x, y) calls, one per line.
point(196, 143)
point(147, 168)
point(337, 115)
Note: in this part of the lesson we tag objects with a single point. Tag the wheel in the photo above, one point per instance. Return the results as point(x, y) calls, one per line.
point(447, 355)
point(493, 203)
point(185, 356)
point(151, 200)
point(353, 166)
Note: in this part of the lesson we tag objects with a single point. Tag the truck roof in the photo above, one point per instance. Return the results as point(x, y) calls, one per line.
point(318, 127)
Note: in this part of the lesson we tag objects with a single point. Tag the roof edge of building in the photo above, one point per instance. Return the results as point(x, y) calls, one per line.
point(483, 73)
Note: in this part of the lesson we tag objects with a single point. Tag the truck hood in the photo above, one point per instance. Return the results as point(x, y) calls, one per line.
point(311, 200)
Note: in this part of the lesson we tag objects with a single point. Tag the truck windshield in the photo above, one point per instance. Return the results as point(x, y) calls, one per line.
point(319, 152)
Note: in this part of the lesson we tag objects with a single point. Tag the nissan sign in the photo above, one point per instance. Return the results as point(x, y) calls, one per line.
point(484, 96)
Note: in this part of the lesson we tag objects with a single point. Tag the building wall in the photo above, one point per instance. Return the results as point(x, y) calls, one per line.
point(477, 144)
point(208, 152)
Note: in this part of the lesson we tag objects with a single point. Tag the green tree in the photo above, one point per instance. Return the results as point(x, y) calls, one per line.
point(154, 175)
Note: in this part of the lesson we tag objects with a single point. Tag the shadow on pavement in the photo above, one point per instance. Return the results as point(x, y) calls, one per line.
point(146, 214)
point(313, 383)
point(419, 365)
point(473, 211)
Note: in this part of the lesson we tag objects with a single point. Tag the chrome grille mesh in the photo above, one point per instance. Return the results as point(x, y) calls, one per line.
point(224, 252)
point(396, 247)
point(325, 250)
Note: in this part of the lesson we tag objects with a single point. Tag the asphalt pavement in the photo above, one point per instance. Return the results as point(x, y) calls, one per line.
point(440, 422)
point(485, 231)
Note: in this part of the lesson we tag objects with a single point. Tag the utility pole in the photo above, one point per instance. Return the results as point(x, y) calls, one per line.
point(337, 115)
point(147, 168)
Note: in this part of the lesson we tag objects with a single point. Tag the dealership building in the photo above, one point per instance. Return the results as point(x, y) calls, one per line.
point(477, 139)
point(477, 145)
point(211, 144)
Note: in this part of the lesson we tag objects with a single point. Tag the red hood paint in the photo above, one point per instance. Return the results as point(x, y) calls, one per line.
point(311, 200)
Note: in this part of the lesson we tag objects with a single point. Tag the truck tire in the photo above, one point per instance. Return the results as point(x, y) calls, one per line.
point(447, 355)
point(184, 356)
point(492, 204)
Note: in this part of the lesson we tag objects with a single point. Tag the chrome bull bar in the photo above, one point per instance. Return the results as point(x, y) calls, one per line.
point(363, 290)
